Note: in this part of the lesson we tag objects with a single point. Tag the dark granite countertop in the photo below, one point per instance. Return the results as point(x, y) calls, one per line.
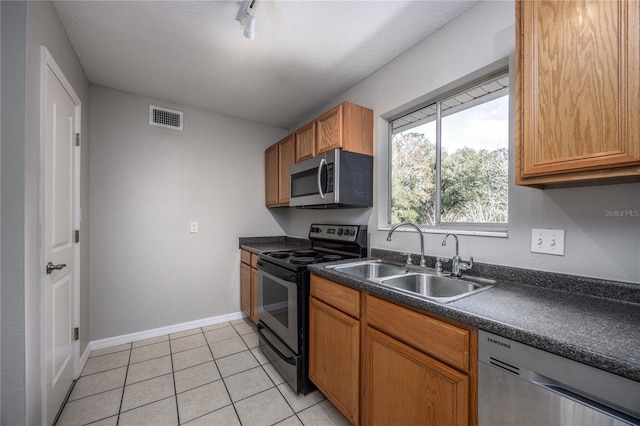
point(596, 331)
point(263, 244)
point(561, 314)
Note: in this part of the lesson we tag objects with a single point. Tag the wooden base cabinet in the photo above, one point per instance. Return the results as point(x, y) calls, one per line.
point(249, 284)
point(334, 356)
point(383, 364)
point(418, 369)
point(403, 386)
point(334, 344)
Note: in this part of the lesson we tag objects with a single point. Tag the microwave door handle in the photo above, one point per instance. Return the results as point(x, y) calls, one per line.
point(323, 163)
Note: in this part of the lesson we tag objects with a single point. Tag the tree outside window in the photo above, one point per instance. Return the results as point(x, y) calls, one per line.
point(470, 157)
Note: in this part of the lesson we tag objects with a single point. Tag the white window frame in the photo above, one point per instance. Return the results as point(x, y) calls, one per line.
point(476, 229)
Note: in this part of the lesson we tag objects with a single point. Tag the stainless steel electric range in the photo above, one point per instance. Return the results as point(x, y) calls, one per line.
point(283, 306)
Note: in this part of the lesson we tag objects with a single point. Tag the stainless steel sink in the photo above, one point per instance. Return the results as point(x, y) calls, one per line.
point(370, 269)
point(439, 288)
point(416, 281)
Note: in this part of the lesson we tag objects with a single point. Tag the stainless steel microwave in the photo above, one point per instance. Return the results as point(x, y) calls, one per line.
point(333, 179)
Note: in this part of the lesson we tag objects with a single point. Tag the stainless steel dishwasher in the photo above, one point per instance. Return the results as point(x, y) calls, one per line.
point(523, 386)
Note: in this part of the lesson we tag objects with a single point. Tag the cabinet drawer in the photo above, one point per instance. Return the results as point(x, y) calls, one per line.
point(254, 260)
point(340, 297)
point(443, 341)
point(245, 257)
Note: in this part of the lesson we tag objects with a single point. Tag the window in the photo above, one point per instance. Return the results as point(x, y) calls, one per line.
point(449, 158)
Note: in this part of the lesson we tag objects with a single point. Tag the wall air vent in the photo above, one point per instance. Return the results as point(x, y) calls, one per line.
point(164, 117)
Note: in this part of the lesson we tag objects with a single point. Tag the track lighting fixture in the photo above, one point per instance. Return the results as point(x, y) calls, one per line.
point(246, 16)
point(250, 29)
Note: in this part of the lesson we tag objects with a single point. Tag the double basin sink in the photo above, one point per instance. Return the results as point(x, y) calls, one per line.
point(415, 281)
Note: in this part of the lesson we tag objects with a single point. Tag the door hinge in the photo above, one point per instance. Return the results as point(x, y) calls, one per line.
point(76, 333)
point(77, 235)
point(77, 139)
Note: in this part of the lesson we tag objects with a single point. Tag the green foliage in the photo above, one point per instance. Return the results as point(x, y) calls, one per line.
point(474, 184)
point(413, 179)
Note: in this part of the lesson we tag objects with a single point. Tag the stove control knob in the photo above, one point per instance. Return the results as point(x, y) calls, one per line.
point(353, 232)
point(340, 231)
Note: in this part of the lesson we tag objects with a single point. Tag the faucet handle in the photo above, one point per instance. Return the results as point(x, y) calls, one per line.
point(408, 261)
point(438, 265)
point(465, 266)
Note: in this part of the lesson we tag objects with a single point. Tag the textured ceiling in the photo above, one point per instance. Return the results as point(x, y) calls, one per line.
point(305, 53)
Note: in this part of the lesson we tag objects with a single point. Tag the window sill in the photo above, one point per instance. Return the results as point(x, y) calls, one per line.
point(498, 233)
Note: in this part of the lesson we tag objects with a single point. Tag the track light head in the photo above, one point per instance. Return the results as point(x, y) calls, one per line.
point(250, 29)
point(246, 17)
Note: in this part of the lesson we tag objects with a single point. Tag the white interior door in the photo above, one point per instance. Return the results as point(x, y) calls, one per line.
point(60, 115)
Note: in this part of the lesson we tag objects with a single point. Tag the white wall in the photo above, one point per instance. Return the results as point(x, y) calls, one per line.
point(12, 289)
point(31, 25)
point(147, 184)
point(595, 245)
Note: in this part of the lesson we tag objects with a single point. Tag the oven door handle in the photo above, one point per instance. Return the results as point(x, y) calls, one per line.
point(288, 360)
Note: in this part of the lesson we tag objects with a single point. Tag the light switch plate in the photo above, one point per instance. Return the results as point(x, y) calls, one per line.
point(194, 227)
point(547, 241)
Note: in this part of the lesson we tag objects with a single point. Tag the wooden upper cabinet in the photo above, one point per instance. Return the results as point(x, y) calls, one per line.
point(577, 91)
point(306, 142)
point(286, 157)
point(278, 159)
point(271, 176)
point(347, 126)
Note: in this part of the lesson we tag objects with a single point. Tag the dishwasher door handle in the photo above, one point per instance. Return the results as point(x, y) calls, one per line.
point(553, 386)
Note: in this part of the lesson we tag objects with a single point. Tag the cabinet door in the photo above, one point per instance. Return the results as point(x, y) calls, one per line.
point(306, 142)
point(286, 153)
point(403, 386)
point(254, 295)
point(329, 130)
point(578, 89)
point(334, 356)
point(245, 288)
point(271, 175)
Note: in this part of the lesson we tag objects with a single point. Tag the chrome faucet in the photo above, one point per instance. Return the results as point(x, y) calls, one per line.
point(457, 264)
point(423, 261)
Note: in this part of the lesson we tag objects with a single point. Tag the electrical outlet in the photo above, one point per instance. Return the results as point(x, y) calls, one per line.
point(547, 241)
point(194, 227)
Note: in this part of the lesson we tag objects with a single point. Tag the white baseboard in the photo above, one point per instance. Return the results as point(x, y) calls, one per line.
point(83, 359)
point(161, 331)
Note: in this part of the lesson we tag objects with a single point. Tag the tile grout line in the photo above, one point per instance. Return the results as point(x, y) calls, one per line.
point(250, 329)
point(222, 378)
point(124, 385)
point(173, 376)
point(295, 413)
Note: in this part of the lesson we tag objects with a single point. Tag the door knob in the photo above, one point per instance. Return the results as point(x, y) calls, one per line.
point(51, 267)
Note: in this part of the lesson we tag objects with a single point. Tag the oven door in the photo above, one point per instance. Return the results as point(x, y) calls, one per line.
point(278, 306)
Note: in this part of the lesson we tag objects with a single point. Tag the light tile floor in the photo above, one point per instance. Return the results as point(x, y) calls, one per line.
point(213, 375)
